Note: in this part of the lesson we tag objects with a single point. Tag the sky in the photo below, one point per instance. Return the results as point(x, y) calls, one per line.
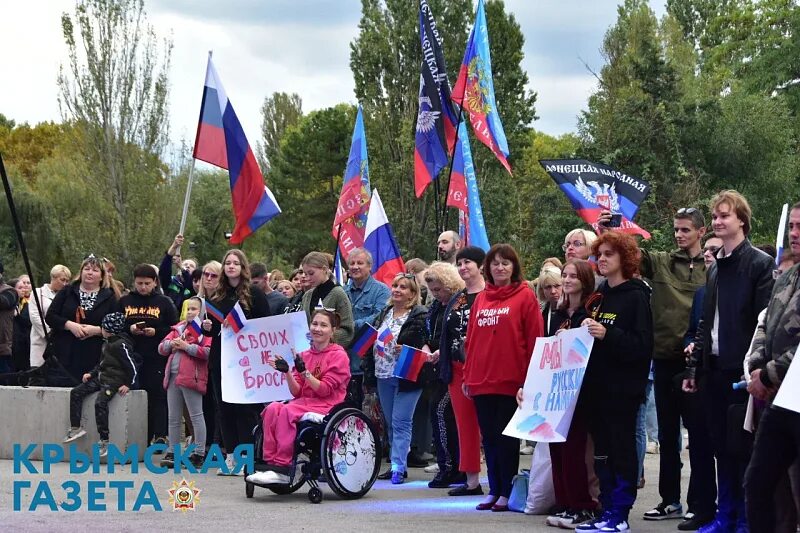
point(302, 46)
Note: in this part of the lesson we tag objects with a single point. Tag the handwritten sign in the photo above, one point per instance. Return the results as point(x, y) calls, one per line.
point(246, 374)
point(552, 386)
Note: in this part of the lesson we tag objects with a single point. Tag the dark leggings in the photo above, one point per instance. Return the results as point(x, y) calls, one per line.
point(445, 432)
point(502, 452)
point(236, 421)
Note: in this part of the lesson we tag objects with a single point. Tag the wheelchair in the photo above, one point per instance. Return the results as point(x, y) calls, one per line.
point(342, 446)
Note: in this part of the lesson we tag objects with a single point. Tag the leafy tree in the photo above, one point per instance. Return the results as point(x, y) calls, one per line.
point(114, 88)
point(278, 112)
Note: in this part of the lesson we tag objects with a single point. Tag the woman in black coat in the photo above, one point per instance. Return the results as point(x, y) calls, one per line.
point(75, 316)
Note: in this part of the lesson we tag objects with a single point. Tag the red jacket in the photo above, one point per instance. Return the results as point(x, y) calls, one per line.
point(503, 325)
point(192, 369)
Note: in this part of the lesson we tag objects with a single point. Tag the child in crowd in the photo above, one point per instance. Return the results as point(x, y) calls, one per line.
point(186, 378)
point(115, 373)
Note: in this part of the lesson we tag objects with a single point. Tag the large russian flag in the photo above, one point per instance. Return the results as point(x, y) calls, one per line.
point(221, 141)
point(379, 240)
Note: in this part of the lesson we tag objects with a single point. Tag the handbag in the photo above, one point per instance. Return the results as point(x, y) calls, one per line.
point(519, 492)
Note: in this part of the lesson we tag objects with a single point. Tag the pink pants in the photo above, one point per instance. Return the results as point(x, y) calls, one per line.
point(279, 422)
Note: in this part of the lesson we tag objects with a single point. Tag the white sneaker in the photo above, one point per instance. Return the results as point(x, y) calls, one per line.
point(230, 464)
point(268, 478)
point(74, 434)
point(527, 450)
point(555, 520)
point(616, 526)
point(102, 446)
point(653, 447)
point(432, 469)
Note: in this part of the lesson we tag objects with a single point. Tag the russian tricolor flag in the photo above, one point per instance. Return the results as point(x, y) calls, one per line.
point(410, 363)
point(195, 326)
point(365, 338)
point(379, 240)
point(236, 319)
point(221, 141)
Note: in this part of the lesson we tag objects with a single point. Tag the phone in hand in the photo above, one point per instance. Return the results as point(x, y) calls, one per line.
point(140, 325)
point(616, 220)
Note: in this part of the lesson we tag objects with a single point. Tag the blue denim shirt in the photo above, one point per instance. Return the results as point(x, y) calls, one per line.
point(367, 302)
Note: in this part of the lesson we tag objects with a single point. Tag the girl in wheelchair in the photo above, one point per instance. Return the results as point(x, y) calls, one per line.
point(318, 382)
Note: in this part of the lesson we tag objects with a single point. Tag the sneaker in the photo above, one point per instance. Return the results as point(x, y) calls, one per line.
point(615, 525)
point(268, 477)
point(575, 519)
point(432, 469)
point(159, 440)
point(168, 460)
point(197, 460)
point(397, 477)
point(716, 526)
point(443, 480)
point(230, 464)
point(74, 434)
point(641, 483)
point(693, 522)
point(653, 448)
point(526, 450)
point(664, 511)
point(594, 526)
point(555, 519)
point(102, 447)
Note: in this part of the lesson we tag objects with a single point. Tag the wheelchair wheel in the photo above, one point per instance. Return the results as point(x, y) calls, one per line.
point(351, 453)
point(249, 489)
point(315, 495)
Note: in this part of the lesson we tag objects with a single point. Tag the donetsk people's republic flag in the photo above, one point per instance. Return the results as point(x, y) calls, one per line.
point(589, 186)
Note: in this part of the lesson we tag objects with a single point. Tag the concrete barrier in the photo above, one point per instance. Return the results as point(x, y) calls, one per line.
point(37, 415)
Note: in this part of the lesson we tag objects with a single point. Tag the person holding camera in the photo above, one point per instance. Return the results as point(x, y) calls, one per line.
point(177, 288)
point(149, 317)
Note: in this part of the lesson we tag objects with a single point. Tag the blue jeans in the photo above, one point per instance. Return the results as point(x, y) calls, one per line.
point(641, 426)
point(398, 411)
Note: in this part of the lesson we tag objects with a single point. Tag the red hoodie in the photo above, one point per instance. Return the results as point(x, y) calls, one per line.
point(503, 325)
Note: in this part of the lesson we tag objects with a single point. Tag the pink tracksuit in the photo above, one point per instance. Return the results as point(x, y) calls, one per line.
point(332, 367)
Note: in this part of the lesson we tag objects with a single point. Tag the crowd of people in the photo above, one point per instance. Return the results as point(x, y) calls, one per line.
point(682, 326)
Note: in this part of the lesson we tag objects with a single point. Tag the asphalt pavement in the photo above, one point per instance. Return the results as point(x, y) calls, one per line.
point(221, 505)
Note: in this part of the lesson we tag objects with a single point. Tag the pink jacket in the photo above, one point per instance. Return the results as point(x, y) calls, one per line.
point(331, 367)
point(193, 368)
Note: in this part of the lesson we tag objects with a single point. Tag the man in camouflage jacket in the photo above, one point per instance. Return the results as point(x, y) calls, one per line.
point(777, 443)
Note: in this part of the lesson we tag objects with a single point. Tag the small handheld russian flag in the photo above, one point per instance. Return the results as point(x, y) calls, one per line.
point(213, 311)
point(236, 319)
point(365, 338)
point(410, 363)
point(195, 326)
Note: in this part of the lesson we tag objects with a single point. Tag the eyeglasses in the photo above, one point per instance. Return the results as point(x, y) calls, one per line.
point(686, 210)
point(574, 244)
point(712, 249)
point(210, 275)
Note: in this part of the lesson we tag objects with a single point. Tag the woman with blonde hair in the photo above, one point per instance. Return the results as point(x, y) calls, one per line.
point(578, 244)
point(322, 291)
point(402, 322)
point(548, 291)
point(443, 283)
point(75, 316)
point(59, 278)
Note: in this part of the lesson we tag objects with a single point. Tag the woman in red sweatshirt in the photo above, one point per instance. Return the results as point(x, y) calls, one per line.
point(503, 325)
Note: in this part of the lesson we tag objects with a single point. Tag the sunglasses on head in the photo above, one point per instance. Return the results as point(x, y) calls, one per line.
point(407, 275)
point(686, 210)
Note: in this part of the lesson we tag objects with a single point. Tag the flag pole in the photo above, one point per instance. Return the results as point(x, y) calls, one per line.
point(190, 181)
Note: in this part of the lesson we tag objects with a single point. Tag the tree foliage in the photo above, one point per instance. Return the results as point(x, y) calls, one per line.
point(278, 113)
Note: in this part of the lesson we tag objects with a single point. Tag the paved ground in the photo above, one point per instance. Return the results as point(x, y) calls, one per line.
point(223, 507)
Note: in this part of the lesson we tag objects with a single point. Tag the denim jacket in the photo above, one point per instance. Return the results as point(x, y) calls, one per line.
point(367, 302)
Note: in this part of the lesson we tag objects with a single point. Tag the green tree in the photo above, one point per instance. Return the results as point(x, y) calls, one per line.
point(279, 112)
point(385, 61)
point(114, 88)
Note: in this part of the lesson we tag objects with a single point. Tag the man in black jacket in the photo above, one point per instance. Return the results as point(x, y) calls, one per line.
point(148, 318)
point(738, 289)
